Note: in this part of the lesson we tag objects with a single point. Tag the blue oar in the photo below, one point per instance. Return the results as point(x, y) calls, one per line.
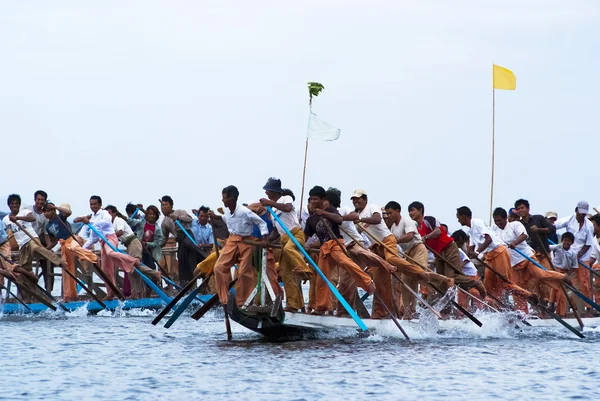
point(575, 291)
point(579, 261)
point(137, 209)
point(332, 288)
point(148, 282)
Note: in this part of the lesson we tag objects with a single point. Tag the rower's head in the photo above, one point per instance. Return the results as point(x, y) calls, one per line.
point(581, 211)
point(14, 203)
point(464, 215)
point(513, 214)
point(40, 198)
point(522, 206)
point(288, 192)
point(203, 215)
point(359, 199)
point(416, 210)
point(567, 240)
point(317, 196)
point(166, 205)
point(230, 196)
point(460, 238)
point(152, 214)
point(273, 189)
point(130, 208)
point(112, 210)
point(392, 213)
point(596, 222)
point(333, 197)
point(95, 203)
point(49, 210)
point(500, 217)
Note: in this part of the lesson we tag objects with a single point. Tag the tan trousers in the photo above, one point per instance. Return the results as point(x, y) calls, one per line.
point(292, 259)
point(499, 260)
point(135, 250)
point(331, 255)
point(451, 254)
point(235, 251)
point(6, 252)
point(69, 250)
point(420, 255)
point(582, 283)
point(35, 248)
point(169, 259)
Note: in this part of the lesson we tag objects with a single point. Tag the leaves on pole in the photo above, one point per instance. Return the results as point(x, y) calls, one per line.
point(314, 88)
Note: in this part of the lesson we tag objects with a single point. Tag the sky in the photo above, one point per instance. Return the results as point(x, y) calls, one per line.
point(134, 100)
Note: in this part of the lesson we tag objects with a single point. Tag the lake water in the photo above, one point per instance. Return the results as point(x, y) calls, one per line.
point(121, 356)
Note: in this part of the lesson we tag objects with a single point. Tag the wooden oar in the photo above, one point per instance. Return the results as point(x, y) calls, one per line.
point(210, 303)
point(363, 327)
point(562, 287)
point(375, 293)
point(548, 311)
point(406, 286)
point(148, 282)
point(227, 323)
point(19, 300)
point(97, 268)
point(66, 270)
point(432, 285)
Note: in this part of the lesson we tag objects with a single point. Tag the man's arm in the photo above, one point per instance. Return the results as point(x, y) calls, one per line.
point(405, 238)
point(284, 207)
point(333, 217)
point(374, 219)
point(486, 242)
point(28, 218)
point(352, 216)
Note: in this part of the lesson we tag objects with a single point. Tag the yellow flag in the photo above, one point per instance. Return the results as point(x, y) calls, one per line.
point(503, 78)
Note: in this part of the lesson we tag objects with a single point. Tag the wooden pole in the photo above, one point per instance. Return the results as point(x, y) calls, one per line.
point(305, 157)
point(493, 152)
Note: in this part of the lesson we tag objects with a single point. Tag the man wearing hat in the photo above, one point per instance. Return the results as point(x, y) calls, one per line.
point(291, 264)
point(59, 230)
point(583, 230)
point(552, 217)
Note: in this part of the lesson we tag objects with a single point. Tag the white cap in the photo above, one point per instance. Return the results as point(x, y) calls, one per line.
point(583, 207)
point(358, 193)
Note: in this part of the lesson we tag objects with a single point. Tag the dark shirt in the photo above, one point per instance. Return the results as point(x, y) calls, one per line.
point(315, 224)
point(57, 229)
point(256, 231)
point(541, 222)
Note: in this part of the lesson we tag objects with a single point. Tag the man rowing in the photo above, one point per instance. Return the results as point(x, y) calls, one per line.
point(291, 263)
point(59, 230)
point(325, 222)
point(447, 257)
point(514, 235)
point(483, 243)
point(101, 220)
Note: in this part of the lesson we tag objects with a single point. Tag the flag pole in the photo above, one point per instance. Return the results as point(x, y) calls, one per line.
point(305, 157)
point(493, 143)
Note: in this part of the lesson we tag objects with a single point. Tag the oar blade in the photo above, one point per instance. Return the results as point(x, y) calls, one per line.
point(182, 307)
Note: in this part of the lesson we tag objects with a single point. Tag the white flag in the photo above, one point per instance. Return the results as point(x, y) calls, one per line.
point(321, 130)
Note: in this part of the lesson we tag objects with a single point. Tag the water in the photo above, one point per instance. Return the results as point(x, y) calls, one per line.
point(121, 356)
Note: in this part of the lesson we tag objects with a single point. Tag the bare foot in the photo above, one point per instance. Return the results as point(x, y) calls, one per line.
point(371, 288)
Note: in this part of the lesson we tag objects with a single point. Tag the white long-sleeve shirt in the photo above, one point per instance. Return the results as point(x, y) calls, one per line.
point(242, 221)
point(583, 236)
point(510, 233)
point(101, 221)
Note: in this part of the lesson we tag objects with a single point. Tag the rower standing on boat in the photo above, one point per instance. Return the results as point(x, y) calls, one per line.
point(201, 228)
point(39, 225)
point(595, 256)
point(133, 247)
point(583, 230)
point(484, 243)
point(29, 243)
point(101, 220)
point(4, 250)
point(148, 232)
point(408, 238)
point(291, 263)
point(436, 238)
point(514, 235)
point(539, 229)
point(240, 222)
point(58, 228)
point(188, 254)
point(330, 253)
point(565, 261)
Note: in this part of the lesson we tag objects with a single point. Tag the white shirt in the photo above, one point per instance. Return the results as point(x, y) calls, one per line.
point(21, 237)
point(379, 231)
point(242, 221)
point(564, 259)
point(477, 236)
point(120, 224)
point(511, 232)
point(39, 225)
point(349, 227)
point(304, 215)
point(468, 269)
point(101, 221)
point(583, 236)
point(404, 227)
point(289, 219)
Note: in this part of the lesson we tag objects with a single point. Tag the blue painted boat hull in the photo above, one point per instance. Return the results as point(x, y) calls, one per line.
point(93, 306)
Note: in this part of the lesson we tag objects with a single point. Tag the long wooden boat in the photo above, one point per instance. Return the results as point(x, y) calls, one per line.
point(92, 306)
point(295, 326)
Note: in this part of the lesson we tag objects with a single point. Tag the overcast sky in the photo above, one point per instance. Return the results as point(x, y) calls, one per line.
point(134, 100)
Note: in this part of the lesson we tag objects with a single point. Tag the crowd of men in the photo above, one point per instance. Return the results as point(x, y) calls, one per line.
point(377, 249)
